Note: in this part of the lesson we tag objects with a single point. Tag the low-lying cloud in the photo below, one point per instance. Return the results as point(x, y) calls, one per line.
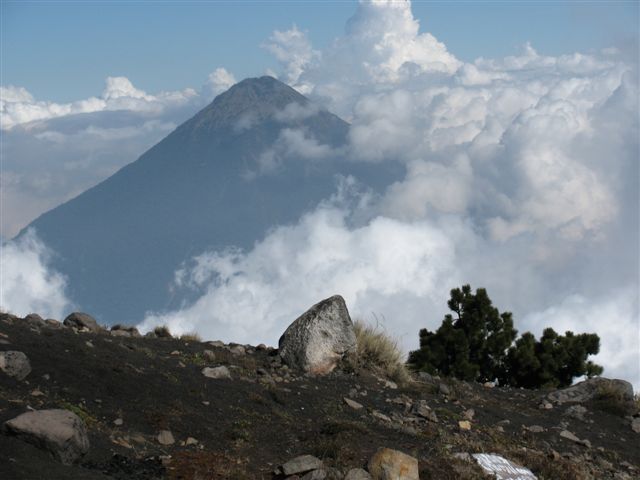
point(28, 285)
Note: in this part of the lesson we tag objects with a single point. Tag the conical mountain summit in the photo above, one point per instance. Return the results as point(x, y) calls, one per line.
point(221, 179)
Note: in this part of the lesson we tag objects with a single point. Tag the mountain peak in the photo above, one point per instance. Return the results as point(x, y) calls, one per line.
point(250, 100)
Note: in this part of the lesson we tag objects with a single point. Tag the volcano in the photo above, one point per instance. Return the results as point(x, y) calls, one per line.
point(220, 180)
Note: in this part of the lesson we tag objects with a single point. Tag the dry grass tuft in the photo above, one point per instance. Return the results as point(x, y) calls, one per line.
point(190, 337)
point(378, 352)
point(162, 331)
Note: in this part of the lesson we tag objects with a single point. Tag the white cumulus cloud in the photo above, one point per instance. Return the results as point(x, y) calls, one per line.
point(27, 284)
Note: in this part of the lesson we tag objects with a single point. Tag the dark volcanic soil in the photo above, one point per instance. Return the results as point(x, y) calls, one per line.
point(246, 426)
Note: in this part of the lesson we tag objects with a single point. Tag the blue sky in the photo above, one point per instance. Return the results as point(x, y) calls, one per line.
point(63, 51)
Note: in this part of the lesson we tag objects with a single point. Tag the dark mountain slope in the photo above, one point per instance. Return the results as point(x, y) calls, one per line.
point(120, 242)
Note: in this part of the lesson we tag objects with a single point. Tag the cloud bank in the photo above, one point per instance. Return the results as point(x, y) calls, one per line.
point(28, 285)
point(521, 177)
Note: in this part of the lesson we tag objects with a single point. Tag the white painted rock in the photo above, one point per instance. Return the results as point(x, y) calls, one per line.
point(501, 468)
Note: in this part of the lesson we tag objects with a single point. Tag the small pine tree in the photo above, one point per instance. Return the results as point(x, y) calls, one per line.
point(471, 347)
point(479, 345)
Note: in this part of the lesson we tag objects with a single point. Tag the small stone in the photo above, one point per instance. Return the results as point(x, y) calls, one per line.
point(320, 474)
point(464, 425)
point(387, 464)
point(175, 352)
point(190, 441)
point(380, 416)
point(576, 411)
point(301, 464)
point(570, 436)
point(89, 344)
point(390, 384)
point(205, 403)
point(82, 321)
point(444, 389)
point(358, 474)
point(353, 404)
point(488, 384)
point(216, 372)
point(118, 422)
point(261, 346)
point(15, 364)
point(546, 405)
point(216, 343)
point(237, 350)
point(535, 429)
point(209, 355)
point(468, 414)
point(635, 424)
point(165, 437)
point(37, 393)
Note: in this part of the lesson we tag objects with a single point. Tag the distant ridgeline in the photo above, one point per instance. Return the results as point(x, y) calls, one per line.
point(202, 187)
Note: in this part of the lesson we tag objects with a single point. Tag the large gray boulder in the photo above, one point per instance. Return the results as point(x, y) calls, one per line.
point(317, 340)
point(589, 389)
point(15, 364)
point(60, 432)
point(80, 321)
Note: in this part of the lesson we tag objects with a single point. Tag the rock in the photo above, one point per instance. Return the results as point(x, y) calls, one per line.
point(209, 355)
point(301, 464)
point(216, 343)
point(34, 320)
point(635, 424)
point(545, 405)
point(118, 422)
point(576, 411)
point(80, 321)
point(124, 331)
point(15, 364)
point(190, 441)
point(60, 432)
point(317, 340)
point(238, 350)
point(261, 346)
point(390, 384)
point(464, 425)
point(320, 474)
point(423, 410)
point(501, 468)
point(444, 389)
point(353, 404)
point(535, 429)
point(50, 322)
point(570, 436)
point(357, 474)
point(387, 464)
point(380, 416)
point(591, 388)
point(425, 377)
point(468, 414)
point(165, 437)
point(216, 372)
